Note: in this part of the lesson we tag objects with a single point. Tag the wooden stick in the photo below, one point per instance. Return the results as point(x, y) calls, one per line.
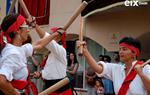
point(148, 61)
point(55, 87)
point(81, 36)
point(22, 4)
point(74, 16)
point(12, 7)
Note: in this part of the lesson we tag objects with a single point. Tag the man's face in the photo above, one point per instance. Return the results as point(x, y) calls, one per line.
point(125, 53)
point(57, 39)
point(72, 56)
point(24, 33)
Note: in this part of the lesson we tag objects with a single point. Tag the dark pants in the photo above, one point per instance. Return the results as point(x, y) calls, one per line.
point(1, 93)
point(49, 83)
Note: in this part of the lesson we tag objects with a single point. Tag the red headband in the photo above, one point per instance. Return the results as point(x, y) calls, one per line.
point(15, 26)
point(134, 49)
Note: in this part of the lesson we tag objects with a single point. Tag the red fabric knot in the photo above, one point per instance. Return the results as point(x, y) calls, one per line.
point(25, 84)
point(15, 26)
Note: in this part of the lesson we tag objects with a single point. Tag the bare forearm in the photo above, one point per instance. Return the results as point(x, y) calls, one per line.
point(74, 69)
point(146, 82)
point(10, 90)
point(6, 87)
point(44, 41)
point(40, 32)
point(92, 62)
point(144, 78)
point(71, 72)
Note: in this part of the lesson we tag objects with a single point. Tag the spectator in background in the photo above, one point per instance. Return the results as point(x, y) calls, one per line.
point(107, 59)
point(116, 57)
point(101, 58)
point(72, 67)
point(108, 84)
point(90, 78)
point(99, 87)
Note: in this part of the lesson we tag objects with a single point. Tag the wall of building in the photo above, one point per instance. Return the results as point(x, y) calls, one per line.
point(106, 28)
point(2, 9)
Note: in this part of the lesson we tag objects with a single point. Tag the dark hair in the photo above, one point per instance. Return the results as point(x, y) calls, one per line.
point(102, 57)
point(100, 81)
point(144, 60)
point(6, 23)
point(131, 41)
point(108, 58)
point(75, 59)
point(116, 57)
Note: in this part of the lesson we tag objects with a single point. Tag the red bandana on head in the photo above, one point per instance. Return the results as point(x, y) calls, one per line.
point(134, 49)
point(15, 26)
point(63, 37)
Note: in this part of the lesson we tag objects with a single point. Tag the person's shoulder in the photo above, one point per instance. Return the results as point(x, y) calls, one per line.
point(10, 50)
point(10, 53)
point(146, 70)
point(108, 63)
point(27, 45)
point(147, 67)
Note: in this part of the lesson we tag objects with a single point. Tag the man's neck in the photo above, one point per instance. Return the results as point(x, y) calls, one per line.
point(17, 42)
point(128, 64)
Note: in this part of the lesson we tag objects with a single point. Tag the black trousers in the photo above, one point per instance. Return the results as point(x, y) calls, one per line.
point(1, 93)
point(49, 83)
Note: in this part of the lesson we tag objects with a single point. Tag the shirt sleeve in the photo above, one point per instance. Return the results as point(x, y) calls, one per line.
point(146, 70)
point(57, 49)
point(9, 66)
point(107, 69)
point(28, 49)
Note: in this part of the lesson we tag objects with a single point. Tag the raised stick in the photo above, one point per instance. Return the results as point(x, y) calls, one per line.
point(74, 16)
point(22, 4)
point(55, 87)
point(12, 6)
point(148, 61)
point(81, 36)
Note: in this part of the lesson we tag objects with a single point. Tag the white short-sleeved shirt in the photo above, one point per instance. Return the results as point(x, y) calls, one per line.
point(13, 61)
point(116, 73)
point(56, 63)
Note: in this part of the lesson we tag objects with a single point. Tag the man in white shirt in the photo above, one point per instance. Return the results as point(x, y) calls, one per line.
point(128, 79)
point(56, 65)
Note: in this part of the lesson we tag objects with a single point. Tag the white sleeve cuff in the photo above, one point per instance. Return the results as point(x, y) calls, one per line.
point(104, 69)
